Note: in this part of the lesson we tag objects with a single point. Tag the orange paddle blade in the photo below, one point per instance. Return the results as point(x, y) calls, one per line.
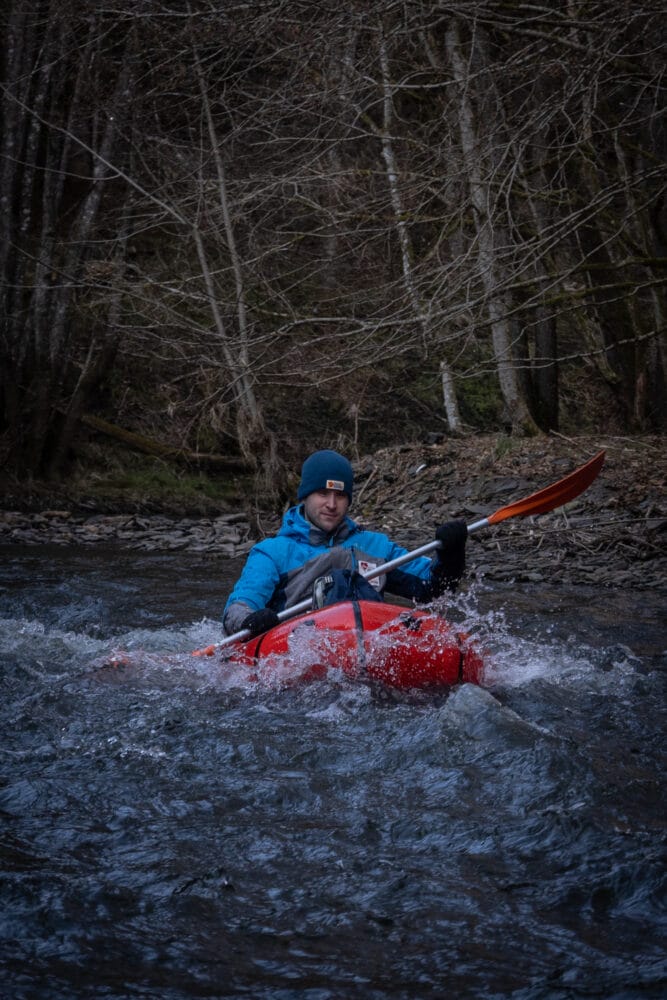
point(555, 495)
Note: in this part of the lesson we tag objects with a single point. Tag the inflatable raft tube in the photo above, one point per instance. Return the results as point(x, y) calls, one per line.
point(400, 647)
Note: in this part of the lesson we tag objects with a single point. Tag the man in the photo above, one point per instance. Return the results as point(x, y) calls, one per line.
point(317, 538)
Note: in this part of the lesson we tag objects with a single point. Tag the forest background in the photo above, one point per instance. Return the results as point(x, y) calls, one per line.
point(234, 232)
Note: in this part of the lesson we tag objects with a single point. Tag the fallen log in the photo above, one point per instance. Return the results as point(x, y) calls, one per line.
point(139, 442)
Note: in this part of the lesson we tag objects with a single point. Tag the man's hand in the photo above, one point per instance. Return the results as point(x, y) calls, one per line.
point(451, 560)
point(452, 535)
point(260, 621)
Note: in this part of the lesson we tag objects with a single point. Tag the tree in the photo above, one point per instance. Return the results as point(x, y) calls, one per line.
point(267, 211)
point(54, 185)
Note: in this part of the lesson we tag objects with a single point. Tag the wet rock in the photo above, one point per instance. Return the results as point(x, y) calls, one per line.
point(478, 715)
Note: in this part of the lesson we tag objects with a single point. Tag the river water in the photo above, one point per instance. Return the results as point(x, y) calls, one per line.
point(170, 830)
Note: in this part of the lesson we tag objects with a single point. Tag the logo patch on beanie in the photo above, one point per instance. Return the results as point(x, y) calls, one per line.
point(335, 484)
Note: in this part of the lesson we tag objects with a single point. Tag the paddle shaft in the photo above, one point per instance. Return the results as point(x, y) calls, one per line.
point(556, 495)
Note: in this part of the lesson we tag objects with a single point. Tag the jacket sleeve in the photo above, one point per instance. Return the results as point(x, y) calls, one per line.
point(413, 580)
point(253, 589)
point(234, 616)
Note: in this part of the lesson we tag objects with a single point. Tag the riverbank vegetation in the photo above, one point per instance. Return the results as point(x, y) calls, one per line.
point(237, 232)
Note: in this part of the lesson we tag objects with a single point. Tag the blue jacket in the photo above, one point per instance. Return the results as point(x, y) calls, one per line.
point(280, 571)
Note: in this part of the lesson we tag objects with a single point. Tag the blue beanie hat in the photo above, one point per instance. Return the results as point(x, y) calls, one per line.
point(325, 470)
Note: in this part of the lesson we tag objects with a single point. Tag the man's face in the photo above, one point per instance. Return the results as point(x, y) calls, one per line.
point(326, 508)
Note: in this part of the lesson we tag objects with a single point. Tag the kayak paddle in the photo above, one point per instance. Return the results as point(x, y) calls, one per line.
point(549, 498)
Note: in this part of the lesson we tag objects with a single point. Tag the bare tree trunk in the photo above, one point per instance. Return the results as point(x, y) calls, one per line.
point(254, 437)
point(50, 380)
point(544, 370)
point(99, 359)
point(487, 234)
point(18, 58)
point(48, 269)
point(649, 349)
point(419, 310)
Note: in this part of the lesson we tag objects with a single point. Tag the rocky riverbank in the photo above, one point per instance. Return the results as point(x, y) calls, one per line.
point(227, 536)
point(613, 535)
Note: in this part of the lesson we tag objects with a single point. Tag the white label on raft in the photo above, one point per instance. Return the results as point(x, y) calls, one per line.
point(367, 567)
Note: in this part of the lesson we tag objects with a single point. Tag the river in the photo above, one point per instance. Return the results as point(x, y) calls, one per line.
point(171, 831)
